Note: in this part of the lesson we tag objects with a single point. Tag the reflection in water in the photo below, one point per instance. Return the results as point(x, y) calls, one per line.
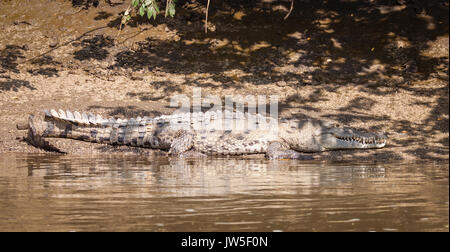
point(129, 193)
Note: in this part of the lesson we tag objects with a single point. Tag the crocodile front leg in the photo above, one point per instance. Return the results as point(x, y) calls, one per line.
point(192, 154)
point(276, 150)
point(182, 143)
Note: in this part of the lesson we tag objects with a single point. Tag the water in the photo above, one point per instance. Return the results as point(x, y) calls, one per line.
point(129, 193)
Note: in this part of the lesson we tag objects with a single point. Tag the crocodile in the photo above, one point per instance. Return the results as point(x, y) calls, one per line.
point(204, 133)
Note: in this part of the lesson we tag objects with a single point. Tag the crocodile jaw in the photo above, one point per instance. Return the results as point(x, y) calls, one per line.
point(338, 139)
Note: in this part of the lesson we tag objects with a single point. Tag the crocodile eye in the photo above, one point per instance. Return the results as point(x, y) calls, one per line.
point(337, 125)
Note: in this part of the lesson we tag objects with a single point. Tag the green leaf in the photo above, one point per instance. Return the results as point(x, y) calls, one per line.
point(135, 3)
point(142, 11)
point(172, 10)
point(154, 15)
point(156, 7)
point(150, 13)
point(127, 18)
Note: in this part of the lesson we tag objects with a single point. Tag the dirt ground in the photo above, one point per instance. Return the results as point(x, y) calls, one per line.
point(375, 65)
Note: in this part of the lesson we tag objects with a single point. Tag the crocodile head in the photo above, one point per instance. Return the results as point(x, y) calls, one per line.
point(334, 138)
point(313, 136)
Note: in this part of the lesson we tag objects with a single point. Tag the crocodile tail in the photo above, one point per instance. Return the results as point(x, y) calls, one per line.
point(75, 118)
point(86, 127)
point(93, 128)
point(34, 136)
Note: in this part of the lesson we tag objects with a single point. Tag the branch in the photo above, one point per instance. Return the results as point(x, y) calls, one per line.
point(290, 10)
point(206, 21)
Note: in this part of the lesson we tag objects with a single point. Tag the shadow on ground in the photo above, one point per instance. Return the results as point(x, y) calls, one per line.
point(8, 84)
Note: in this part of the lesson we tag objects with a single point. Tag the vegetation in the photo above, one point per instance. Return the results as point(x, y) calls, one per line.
point(149, 7)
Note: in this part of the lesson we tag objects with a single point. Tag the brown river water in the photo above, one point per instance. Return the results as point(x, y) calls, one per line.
point(135, 193)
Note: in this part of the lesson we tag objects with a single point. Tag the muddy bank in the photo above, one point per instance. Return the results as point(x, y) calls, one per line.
point(392, 76)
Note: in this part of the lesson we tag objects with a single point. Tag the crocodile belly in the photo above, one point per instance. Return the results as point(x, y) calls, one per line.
point(231, 142)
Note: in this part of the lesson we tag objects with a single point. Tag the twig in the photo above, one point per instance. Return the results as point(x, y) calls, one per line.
point(68, 42)
point(139, 32)
point(167, 7)
point(122, 22)
point(290, 10)
point(206, 21)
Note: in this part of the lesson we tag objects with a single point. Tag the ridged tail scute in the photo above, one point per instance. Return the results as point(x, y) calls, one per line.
point(85, 127)
point(93, 128)
point(78, 119)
